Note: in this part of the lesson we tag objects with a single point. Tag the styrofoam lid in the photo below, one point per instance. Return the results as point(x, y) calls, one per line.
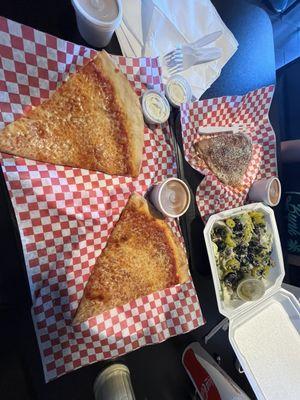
point(267, 343)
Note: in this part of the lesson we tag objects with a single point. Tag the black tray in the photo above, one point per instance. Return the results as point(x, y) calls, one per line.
point(191, 223)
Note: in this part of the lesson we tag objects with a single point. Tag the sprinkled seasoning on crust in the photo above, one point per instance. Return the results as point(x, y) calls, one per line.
point(227, 155)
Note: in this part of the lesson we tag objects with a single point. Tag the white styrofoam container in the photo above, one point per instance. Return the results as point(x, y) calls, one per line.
point(263, 333)
point(267, 343)
point(276, 275)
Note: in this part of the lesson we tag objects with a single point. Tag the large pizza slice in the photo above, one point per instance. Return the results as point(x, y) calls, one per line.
point(227, 155)
point(92, 121)
point(142, 256)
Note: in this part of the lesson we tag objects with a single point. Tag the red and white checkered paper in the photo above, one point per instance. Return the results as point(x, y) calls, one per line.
point(250, 112)
point(65, 215)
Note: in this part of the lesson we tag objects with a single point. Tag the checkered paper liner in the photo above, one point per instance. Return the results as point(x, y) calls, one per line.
point(250, 114)
point(65, 215)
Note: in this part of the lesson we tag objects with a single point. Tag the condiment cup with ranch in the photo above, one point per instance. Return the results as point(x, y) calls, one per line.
point(250, 289)
point(266, 190)
point(171, 197)
point(178, 91)
point(97, 20)
point(155, 106)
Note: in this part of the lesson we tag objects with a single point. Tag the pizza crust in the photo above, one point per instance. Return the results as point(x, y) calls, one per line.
point(131, 107)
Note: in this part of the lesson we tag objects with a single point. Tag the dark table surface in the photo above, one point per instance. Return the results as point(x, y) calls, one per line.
point(156, 371)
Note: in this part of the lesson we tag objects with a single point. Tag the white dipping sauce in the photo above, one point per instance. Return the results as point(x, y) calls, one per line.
point(156, 108)
point(177, 92)
point(103, 10)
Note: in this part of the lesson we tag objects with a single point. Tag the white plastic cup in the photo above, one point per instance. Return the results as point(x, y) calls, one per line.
point(114, 384)
point(155, 198)
point(95, 32)
point(161, 104)
point(261, 191)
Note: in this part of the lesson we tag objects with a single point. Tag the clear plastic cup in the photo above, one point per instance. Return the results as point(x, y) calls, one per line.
point(114, 384)
point(250, 289)
point(96, 32)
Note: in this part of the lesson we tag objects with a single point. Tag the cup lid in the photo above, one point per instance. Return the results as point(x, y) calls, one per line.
point(156, 108)
point(178, 90)
point(106, 25)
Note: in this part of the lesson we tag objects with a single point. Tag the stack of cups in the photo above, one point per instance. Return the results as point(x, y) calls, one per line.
point(97, 20)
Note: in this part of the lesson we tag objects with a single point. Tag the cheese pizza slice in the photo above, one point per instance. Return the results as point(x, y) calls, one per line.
point(142, 256)
point(92, 121)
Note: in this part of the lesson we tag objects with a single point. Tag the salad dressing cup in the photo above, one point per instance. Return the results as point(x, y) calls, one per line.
point(250, 289)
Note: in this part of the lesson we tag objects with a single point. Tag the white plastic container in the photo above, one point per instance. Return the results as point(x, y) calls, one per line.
point(263, 333)
point(96, 32)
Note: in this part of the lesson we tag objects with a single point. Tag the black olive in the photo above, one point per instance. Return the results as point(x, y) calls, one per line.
point(250, 258)
point(240, 249)
point(252, 244)
point(259, 273)
point(231, 279)
point(256, 263)
point(220, 231)
point(221, 245)
point(239, 275)
point(238, 227)
point(254, 247)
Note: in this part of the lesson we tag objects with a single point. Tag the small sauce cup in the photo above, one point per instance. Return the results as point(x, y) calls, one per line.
point(267, 191)
point(171, 197)
point(178, 91)
point(155, 106)
point(250, 289)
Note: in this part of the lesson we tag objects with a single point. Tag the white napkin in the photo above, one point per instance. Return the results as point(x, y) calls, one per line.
point(154, 27)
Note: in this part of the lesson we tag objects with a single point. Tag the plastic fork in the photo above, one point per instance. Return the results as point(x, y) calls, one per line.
point(197, 45)
point(181, 61)
point(187, 55)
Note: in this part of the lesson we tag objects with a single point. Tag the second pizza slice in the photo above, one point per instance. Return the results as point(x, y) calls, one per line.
point(142, 256)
